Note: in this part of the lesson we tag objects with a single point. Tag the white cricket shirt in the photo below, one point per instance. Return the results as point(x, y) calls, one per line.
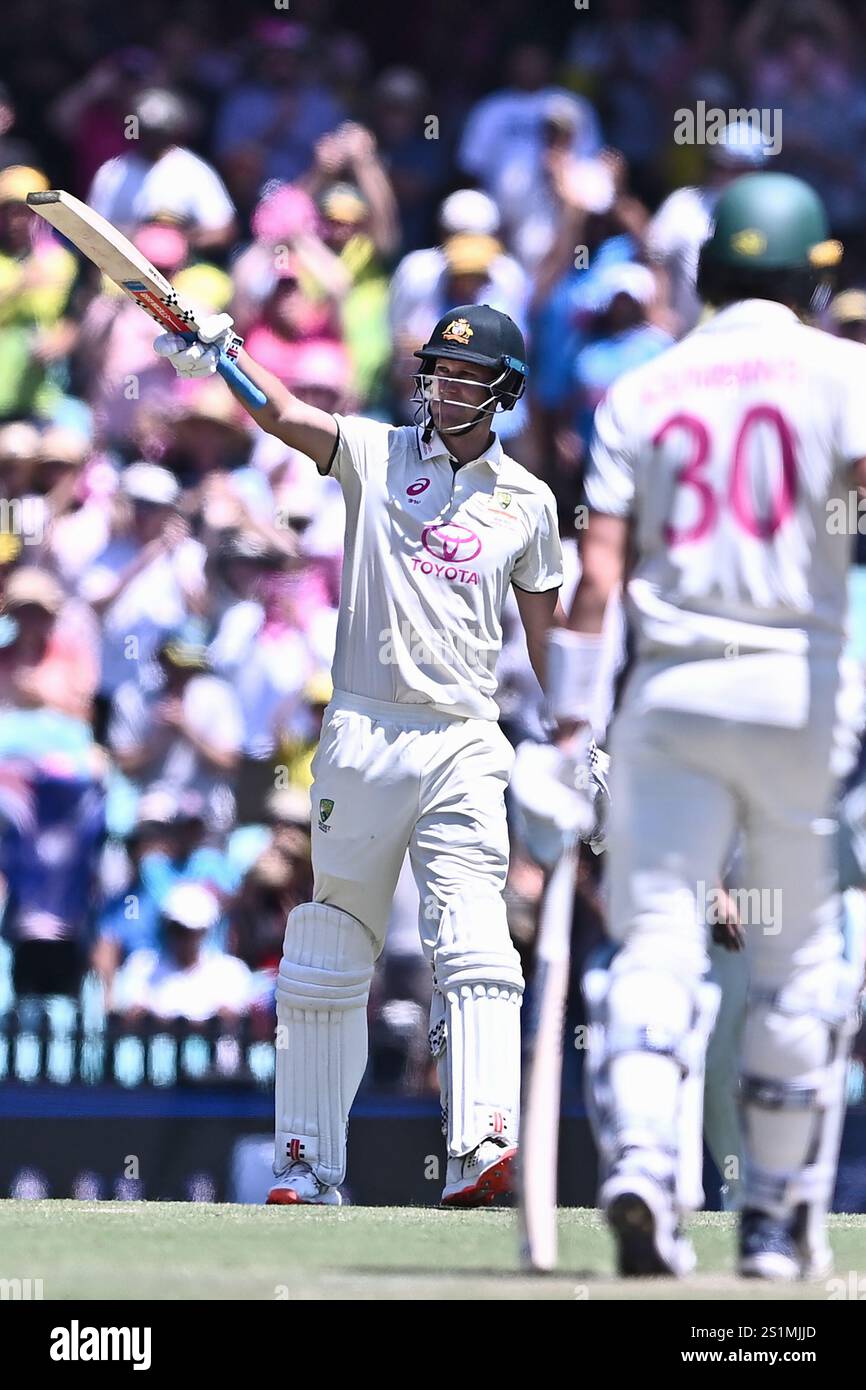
point(428, 558)
point(732, 452)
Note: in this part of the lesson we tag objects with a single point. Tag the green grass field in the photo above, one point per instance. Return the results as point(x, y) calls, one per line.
point(175, 1250)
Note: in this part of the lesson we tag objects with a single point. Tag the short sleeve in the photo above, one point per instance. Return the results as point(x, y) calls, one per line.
point(609, 482)
point(539, 567)
point(213, 206)
point(362, 444)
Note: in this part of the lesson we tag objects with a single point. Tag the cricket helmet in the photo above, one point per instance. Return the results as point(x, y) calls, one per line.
point(474, 333)
point(770, 240)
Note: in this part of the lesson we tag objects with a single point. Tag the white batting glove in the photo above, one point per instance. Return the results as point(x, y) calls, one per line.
point(200, 358)
point(560, 796)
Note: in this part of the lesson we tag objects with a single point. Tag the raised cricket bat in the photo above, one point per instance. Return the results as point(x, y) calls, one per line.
point(116, 256)
point(539, 1124)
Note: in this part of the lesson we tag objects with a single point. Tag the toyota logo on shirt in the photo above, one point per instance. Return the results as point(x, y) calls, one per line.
point(456, 544)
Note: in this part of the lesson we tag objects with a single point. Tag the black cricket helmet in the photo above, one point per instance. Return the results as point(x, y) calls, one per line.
point(473, 333)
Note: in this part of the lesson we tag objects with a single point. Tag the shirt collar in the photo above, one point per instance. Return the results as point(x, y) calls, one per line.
point(745, 311)
point(437, 448)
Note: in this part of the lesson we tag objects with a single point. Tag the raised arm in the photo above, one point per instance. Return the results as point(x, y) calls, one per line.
point(303, 427)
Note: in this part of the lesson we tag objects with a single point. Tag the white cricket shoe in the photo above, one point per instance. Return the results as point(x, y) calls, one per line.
point(480, 1176)
point(780, 1250)
point(297, 1185)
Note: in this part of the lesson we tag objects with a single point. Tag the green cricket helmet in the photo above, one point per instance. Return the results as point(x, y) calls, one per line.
point(473, 333)
point(770, 240)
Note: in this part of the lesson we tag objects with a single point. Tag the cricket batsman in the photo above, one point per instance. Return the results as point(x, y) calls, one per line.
point(724, 465)
point(439, 523)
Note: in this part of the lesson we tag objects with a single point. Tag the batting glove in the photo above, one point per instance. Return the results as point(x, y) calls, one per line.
point(560, 796)
point(215, 336)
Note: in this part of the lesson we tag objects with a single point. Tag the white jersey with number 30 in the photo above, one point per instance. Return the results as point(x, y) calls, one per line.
point(732, 454)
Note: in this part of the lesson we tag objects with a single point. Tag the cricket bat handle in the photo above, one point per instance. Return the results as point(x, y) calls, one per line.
point(246, 390)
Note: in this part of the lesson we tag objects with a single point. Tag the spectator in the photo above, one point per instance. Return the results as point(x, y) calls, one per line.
point(297, 753)
point(148, 578)
point(76, 488)
point(290, 317)
point(36, 276)
point(600, 225)
point(13, 149)
point(285, 228)
point(90, 114)
point(164, 176)
point(115, 344)
point(360, 225)
point(185, 850)
point(50, 660)
point(180, 727)
point(129, 918)
point(622, 339)
point(207, 444)
point(19, 451)
point(418, 285)
point(415, 164)
point(623, 62)
point(260, 649)
point(49, 862)
point(167, 845)
point(505, 137)
point(798, 58)
point(185, 977)
point(287, 812)
point(676, 233)
point(281, 109)
point(55, 483)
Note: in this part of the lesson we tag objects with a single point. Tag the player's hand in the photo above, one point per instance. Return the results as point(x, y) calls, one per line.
point(201, 357)
point(558, 792)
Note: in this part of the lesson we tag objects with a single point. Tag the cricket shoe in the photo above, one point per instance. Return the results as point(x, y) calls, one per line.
point(642, 1216)
point(298, 1186)
point(777, 1250)
point(477, 1178)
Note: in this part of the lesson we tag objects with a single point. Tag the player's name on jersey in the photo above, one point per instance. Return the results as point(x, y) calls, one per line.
point(722, 376)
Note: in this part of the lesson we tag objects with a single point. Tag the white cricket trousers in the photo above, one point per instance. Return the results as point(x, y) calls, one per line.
point(390, 777)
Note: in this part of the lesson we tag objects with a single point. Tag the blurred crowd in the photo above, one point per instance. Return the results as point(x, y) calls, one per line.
point(169, 576)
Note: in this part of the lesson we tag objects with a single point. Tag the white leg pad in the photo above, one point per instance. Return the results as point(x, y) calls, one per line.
point(321, 1053)
point(792, 1094)
point(645, 1073)
point(475, 1028)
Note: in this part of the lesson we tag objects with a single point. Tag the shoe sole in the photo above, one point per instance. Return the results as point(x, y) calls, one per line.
point(634, 1225)
point(495, 1181)
point(774, 1268)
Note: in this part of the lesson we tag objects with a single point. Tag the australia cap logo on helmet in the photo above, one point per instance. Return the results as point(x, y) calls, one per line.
point(458, 331)
point(749, 242)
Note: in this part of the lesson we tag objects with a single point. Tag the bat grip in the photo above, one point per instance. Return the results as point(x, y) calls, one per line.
point(248, 392)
